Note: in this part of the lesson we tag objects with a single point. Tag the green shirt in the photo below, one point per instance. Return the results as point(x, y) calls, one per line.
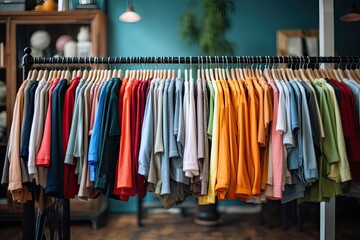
point(211, 110)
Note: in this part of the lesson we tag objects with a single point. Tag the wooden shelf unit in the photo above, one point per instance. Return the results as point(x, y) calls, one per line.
point(15, 28)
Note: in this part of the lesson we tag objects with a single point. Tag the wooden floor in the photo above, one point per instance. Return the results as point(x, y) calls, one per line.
point(172, 226)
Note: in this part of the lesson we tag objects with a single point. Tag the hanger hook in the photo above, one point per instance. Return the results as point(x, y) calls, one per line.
point(357, 65)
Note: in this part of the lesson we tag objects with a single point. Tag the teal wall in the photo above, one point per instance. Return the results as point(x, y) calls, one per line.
point(253, 32)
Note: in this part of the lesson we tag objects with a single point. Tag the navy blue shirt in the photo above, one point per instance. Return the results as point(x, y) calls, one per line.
point(24, 151)
point(55, 179)
point(110, 141)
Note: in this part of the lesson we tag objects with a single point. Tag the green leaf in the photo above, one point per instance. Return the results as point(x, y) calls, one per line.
point(209, 30)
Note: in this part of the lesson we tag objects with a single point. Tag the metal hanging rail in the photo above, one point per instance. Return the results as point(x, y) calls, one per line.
point(29, 61)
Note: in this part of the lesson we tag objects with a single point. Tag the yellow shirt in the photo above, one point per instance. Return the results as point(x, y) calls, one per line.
point(268, 111)
point(223, 166)
point(339, 171)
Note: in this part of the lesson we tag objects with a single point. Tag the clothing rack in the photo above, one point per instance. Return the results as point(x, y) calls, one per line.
point(206, 211)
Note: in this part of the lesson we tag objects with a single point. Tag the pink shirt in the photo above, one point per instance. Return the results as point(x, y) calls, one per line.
point(276, 148)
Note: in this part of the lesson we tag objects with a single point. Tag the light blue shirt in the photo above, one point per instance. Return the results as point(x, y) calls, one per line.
point(173, 151)
point(165, 163)
point(176, 163)
point(355, 89)
point(147, 134)
point(309, 159)
point(297, 188)
point(93, 154)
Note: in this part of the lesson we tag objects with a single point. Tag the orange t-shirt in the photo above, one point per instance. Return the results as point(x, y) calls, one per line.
point(243, 187)
point(268, 111)
point(223, 166)
point(232, 100)
point(125, 161)
point(254, 166)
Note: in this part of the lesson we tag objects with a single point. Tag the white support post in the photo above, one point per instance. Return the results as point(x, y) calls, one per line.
point(327, 48)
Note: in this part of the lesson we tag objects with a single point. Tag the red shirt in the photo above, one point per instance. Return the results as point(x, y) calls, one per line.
point(117, 191)
point(350, 128)
point(141, 96)
point(43, 155)
point(70, 179)
point(125, 171)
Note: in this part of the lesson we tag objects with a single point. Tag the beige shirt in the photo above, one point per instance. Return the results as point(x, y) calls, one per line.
point(19, 193)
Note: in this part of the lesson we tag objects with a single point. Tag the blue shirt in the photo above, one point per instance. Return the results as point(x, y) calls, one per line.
point(355, 89)
point(111, 142)
point(55, 178)
point(173, 151)
point(176, 170)
point(297, 188)
point(165, 163)
point(147, 134)
point(24, 152)
point(309, 167)
point(93, 154)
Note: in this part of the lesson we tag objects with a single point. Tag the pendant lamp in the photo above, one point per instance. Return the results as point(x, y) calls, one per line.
point(130, 15)
point(353, 14)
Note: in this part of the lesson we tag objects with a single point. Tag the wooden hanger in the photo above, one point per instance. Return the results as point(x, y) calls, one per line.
point(95, 75)
point(109, 74)
point(227, 72)
point(289, 70)
point(114, 73)
point(141, 74)
point(357, 70)
point(211, 71)
point(146, 76)
point(258, 73)
point(62, 74)
point(85, 74)
point(207, 76)
point(224, 76)
point(120, 74)
point(79, 73)
point(40, 75)
point(67, 75)
point(267, 73)
point(74, 73)
point(233, 75)
point(237, 71)
point(34, 74)
point(127, 73)
point(237, 74)
point(216, 74)
point(50, 75)
point(45, 74)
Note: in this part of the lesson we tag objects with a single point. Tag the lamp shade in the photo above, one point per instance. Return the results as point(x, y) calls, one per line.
point(352, 16)
point(130, 15)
